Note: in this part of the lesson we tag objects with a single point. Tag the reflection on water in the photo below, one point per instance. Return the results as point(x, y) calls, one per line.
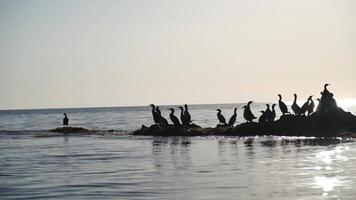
point(127, 167)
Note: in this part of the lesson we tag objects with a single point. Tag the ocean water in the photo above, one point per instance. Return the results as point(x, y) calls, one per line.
point(117, 165)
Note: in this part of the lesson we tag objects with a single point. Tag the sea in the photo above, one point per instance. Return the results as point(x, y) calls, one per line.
point(113, 164)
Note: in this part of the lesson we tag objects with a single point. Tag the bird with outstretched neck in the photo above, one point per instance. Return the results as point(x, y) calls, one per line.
point(183, 117)
point(295, 106)
point(154, 114)
point(221, 118)
point(311, 105)
point(282, 106)
point(187, 114)
point(233, 118)
point(248, 115)
point(173, 118)
point(163, 122)
point(65, 120)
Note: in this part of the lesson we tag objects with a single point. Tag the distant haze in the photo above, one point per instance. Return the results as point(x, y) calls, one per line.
point(80, 53)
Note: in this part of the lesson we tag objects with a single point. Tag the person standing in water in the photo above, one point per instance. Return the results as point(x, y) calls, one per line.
point(65, 120)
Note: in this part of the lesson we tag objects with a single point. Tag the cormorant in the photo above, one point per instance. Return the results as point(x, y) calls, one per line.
point(248, 115)
point(233, 118)
point(295, 107)
point(304, 108)
point(268, 113)
point(183, 117)
point(221, 117)
point(162, 120)
point(319, 104)
point(311, 105)
point(282, 106)
point(65, 120)
point(263, 117)
point(155, 115)
point(326, 92)
point(187, 114)
point(173, 118)
point(273, 112)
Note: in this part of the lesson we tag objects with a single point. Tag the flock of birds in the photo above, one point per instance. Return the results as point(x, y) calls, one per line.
point(267, 115)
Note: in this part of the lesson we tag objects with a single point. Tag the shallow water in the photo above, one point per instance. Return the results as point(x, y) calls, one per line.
point(115, 166)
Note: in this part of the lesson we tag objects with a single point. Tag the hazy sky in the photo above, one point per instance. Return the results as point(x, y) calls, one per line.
point(79, 53)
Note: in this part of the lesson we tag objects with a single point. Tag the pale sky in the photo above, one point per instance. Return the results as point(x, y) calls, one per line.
point(83, 53)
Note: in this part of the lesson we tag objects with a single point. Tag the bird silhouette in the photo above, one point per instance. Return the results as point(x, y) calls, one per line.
point(173, 118)
point(163, 121)
point(248, 115)
point(273, 112)
point(154, 114)
point(221, 117)
point(304, 108)
point(233, 118)
point(282, 106)
point(183, 117)
point(311, 105)
point(295, 107)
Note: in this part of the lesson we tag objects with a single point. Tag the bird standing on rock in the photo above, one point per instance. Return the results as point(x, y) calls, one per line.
point(263, 118)
point(311, 105)
point(187, 114)
point(65, 120)
point(221, 118)
point(155, 115)
point(163, 121)
point(248, 115)
point(304, 108)
point(273, 116)
point(183, 117)
point(233, 118)
point(282, 106)
point(268, 113)
point(295, 107)
point(173, 118)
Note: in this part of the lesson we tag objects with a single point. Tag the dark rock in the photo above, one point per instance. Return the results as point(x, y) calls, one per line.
point(70, 130)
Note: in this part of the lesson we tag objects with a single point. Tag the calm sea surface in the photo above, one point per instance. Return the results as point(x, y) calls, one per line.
point(116, 165)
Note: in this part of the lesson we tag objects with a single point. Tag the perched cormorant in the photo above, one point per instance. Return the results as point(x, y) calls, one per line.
point(273, 112)
point(326, 92)
point(248, 115)
point(268, 113)
point(295, 107)
point(304, 108)
point(155, 115)
point(263, 117)
point(173, 118)
point(65, 120)
point(282, 106)
point(183, 117)
point(311, 105)
point(162, 120)
point(233, 118)
point(221, 117)
point(319, 104)
point(187, 114)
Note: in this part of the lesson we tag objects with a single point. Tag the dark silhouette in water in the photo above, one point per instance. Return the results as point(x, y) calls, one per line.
point(65, 120)
point(233, 118)
point(263, 118)
point(221, 118)
point(282, 106)
point(305, 107)
point(173, 118)
point(311, 105)
point(295, 106)
point(155, 115)
point(268, 114)
point(273, 116)
point(162, 121)
point(248, 115)
point(187, 114)
point(183, 117)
